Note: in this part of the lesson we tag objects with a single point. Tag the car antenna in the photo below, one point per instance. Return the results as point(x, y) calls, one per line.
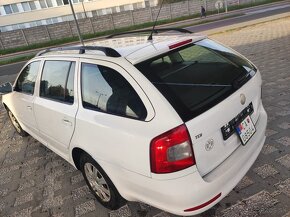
point(153, 28)
point(77, 24)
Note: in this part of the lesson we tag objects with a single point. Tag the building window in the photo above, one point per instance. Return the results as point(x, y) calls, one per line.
point(108, 11)
point(49, 3)
point(99, 12)
point(59, 2)
point(89, 14)
point(38, 23)
point(21, 26)
point(7, 9)
point(80, 15)
point(137, 5)
point(127, 7)
point(54, 20)
point(49, 21)
point(65, 2)
point(43, 4)
point(114, 9)
point(25, 6)
point(15, 27)
point(14, 8)
point(147, 4)
point(122, 8)
point(32, 5)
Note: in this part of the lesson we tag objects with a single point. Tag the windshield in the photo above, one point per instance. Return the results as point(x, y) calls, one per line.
point(196, 77)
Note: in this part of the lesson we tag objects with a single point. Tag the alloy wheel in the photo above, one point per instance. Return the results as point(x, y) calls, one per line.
point(97, 182)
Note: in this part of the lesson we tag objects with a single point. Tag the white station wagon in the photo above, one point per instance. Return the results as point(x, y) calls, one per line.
point(174, 122)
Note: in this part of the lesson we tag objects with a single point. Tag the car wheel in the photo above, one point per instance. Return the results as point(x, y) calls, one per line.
point(16, 124)
point(100, 184)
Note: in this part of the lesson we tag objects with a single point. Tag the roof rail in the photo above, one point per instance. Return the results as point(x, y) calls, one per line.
point(156, 31)
point(82, 49)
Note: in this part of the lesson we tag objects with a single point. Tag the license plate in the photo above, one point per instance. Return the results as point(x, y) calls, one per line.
point(246, 130)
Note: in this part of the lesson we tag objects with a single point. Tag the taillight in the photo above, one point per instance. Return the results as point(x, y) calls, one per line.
point(171, 151)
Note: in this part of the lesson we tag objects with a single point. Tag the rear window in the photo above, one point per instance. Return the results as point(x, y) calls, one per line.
point(196, 77)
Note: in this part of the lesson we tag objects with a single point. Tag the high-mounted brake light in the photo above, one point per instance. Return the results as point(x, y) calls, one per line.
point(179, 44)
point(171, 151)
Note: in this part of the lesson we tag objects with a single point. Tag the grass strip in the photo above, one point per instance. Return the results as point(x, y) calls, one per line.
point(16, 59)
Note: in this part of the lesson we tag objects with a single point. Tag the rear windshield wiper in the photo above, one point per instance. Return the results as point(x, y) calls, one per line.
point(239, 81)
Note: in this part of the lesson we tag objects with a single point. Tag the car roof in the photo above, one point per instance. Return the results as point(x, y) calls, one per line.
point(134, 48)
point(137, 48)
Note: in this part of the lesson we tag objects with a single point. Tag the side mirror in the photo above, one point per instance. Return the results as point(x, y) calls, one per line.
point(6, 88)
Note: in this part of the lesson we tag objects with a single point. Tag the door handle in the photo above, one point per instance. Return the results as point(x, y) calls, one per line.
point(67, 122)
point(29, 107)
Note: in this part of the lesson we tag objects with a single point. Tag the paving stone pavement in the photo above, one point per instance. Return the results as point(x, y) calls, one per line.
point(36, 182)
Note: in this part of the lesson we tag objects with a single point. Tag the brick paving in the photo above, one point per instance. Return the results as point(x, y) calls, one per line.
point(36, 182)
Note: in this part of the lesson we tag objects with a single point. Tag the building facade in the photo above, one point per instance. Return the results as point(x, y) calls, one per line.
point(20, 14)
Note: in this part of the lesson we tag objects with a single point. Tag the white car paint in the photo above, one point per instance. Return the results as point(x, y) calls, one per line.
point(121, 146)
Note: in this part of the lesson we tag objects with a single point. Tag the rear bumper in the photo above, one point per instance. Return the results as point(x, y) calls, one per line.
point(193, 191)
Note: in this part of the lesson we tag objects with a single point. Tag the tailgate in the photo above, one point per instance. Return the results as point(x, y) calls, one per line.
point(209, 145)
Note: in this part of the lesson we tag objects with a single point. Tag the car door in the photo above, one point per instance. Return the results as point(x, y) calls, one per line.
point(56, 104)
point(113, 113)
point(24, 95)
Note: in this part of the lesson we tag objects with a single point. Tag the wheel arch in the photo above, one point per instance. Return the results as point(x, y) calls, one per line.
point(76, 155)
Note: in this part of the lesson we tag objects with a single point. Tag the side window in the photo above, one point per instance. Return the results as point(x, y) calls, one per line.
point(104, 89)
point(27, 78)
point(57, 81)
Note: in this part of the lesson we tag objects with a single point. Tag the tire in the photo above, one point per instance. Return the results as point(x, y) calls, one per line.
point(100, 184)
point(16, 124)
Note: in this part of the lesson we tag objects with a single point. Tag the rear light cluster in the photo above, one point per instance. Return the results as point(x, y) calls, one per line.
point(171, 151)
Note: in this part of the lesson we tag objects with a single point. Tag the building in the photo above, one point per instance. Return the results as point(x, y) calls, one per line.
point(20, 14)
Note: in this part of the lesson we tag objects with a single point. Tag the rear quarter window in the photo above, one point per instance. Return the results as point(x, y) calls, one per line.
point(106, 90)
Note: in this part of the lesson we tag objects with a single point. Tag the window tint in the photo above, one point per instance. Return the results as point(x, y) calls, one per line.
point(195, 77)
point(27, 78)
point(104, 89)
point(57, 81)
